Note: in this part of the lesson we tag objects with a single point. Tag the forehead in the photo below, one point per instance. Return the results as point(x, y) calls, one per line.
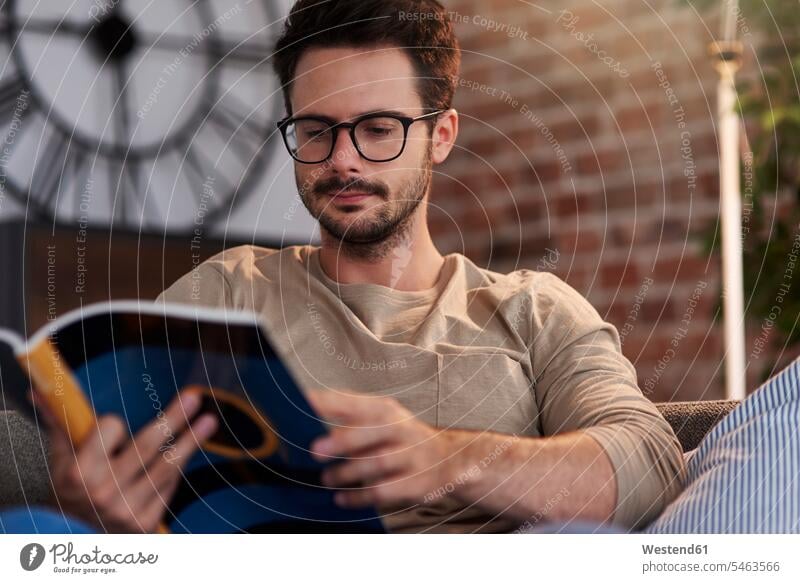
point(343, 82)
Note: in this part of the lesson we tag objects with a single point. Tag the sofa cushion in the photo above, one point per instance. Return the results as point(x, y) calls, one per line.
point(24, 479)
point(744, 477)
point(692, 420)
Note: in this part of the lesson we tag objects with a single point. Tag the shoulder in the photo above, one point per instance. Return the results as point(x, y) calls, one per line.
point(543, 288)
point(551, 294)
point(219, 280)
point(534, 301)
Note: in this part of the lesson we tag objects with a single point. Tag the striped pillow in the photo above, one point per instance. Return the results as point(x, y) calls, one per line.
point(744, 477)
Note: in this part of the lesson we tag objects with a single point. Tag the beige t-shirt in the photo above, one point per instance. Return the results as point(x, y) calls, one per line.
point(522, 353)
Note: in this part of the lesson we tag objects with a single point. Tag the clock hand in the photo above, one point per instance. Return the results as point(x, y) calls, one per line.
point(123, 104)
point(130, 166)
point(123, 133)
point(119, 193)
point(50, 27)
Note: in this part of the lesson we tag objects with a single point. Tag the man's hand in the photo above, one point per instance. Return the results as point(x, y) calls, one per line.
point(120, 484)
point(392, 457)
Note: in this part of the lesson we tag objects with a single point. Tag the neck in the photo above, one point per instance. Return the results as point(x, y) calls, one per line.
point(408, 262)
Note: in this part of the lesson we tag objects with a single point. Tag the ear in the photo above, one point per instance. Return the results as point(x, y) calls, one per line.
point(444, 135)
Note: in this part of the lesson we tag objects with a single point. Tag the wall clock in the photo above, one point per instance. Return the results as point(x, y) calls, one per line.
point(140, 113)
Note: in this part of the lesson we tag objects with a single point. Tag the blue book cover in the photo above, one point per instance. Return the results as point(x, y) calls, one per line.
point(255, 474)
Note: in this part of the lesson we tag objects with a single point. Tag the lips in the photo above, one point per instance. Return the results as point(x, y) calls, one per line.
point(351, 194)
point(350, 197)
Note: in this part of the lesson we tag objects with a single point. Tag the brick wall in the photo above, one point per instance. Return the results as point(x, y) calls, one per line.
point(601, 167)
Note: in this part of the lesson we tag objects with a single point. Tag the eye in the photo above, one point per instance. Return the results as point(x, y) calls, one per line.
point(310, 130)
point(315, 134)
point(378, 128)
point(380, 131)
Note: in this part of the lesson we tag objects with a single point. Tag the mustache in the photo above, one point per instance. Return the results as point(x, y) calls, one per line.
point(337, 186)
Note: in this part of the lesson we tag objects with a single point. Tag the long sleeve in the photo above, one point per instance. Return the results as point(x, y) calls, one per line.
point(204, 286)
point(584, 382)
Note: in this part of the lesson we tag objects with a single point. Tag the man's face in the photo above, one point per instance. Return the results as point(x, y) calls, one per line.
point(355, 200)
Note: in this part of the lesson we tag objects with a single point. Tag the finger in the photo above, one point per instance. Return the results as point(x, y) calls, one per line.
point(365, 470)
point(151, 439)
point(155, 486)
point(192, 439)
point(157, 512)
point(177, 452)
point(344, 442)
point(169, 464)
point(154, 513)
point(95, 454)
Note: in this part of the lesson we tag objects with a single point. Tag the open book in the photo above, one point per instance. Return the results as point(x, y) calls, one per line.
point(130, 359)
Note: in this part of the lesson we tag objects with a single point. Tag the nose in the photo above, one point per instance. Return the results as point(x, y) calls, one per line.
point(345, 157)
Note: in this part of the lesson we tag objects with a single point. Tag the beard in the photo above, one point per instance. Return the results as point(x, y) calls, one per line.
point(378, 228)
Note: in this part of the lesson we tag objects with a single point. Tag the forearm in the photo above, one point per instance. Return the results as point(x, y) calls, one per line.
point(559, 478)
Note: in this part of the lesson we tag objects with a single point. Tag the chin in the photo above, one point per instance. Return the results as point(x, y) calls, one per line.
point(356, 230)
point(351, 216)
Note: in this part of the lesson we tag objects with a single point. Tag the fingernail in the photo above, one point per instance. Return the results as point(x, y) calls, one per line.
point(190, 401)
point(205, 426)
point(322, 447)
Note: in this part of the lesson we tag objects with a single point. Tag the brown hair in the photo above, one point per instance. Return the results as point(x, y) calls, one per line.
point(421, 28)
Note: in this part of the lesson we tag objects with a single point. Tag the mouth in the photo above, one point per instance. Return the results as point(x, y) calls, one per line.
point(349, 197)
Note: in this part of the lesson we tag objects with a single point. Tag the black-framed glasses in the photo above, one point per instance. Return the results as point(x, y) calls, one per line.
point(378, 137)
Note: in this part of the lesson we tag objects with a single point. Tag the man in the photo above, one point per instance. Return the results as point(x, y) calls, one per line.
point(463, 400)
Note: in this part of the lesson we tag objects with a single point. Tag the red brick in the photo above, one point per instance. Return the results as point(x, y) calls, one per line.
point(619, 274)
point(539, 199)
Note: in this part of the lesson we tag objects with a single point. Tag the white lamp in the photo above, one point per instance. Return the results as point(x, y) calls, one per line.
point(727, 53)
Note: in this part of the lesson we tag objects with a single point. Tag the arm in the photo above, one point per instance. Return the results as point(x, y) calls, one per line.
point(585, 384)
point(555, 478)
point(393, 458)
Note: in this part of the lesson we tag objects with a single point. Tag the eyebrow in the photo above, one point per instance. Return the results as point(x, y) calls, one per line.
point(360, 115)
